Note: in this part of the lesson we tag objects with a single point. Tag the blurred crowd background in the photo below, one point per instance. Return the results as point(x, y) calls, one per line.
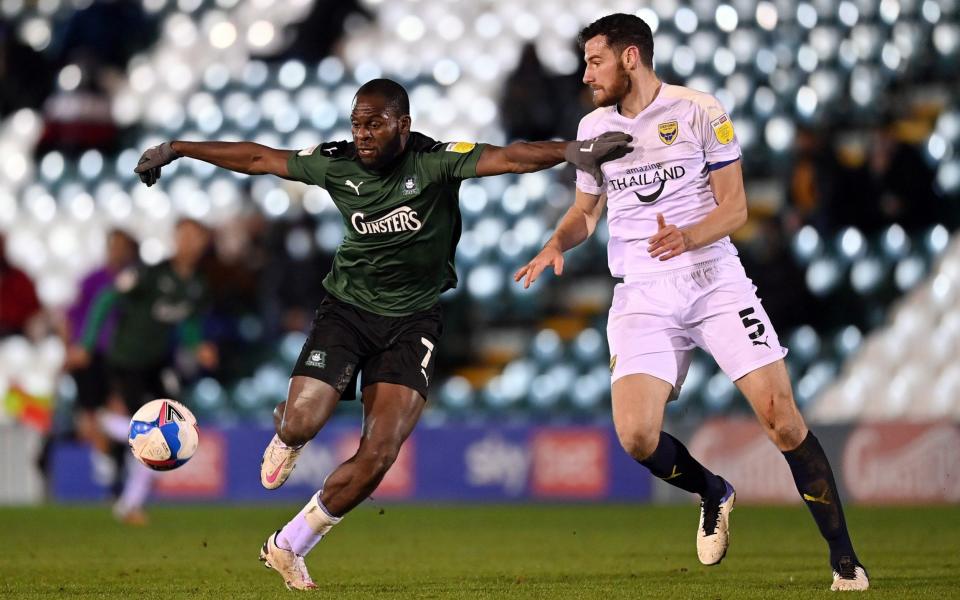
point(848, 112)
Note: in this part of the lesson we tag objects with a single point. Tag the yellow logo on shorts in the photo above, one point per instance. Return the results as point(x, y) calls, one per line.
point(613, 363)
point(668, 131)
point(460, 147)
point(723, 129)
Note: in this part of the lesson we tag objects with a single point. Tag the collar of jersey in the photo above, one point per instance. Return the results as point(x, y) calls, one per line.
point(654, 102)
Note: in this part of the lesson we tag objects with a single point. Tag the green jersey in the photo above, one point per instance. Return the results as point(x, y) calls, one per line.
point(153, 302)
point(401, 225)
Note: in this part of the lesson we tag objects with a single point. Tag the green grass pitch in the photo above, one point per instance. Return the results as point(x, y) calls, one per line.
point(549, 551)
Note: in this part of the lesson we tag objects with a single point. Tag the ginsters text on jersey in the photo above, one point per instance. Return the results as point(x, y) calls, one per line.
point(399, 219)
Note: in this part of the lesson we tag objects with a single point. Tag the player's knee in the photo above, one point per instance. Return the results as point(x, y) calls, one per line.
point(640, 444)
point(298, 428)
point(788, 435)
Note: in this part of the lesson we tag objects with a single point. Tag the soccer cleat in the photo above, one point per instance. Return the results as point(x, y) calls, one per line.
point(713, 532)
point(848, 576)
point(277, 463)
point(290, 565)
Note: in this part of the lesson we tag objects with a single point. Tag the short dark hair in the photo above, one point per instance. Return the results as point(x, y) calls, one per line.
point(621, 30)
point(392, 92)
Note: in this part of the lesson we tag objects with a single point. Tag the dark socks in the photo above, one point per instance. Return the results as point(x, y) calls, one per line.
point(814, 479)
point(672, 463)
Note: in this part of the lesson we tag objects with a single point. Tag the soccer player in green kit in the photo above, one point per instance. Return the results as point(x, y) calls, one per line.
point(397, 191)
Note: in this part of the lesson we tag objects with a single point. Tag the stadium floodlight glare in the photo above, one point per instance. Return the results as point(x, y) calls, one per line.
point(546, 347)
point(807, 15)
point(937, 239)
point(866, 275)
point(946, 38)
point(931, 11)
point(588, 346)
point(456, 393)
point(848, 13)
point(767, 15)
point(909, 272)
point(936, 147)
point(36, 32)
point(851, 243)
point(847, 341)
point(719, 392)
point(684, 61)
point(51, 166)
point(685, 20)
point(81, 207)
point(805, 343)
point(807, 102)
point(948, 176)
point(649, 17)
point(260, 34)
point(822, 276)
point(90, 165)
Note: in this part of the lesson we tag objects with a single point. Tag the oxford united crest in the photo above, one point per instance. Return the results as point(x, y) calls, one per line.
point(668, 132)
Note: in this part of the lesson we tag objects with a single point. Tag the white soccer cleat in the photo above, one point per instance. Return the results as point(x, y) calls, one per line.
point(277, 463)
point(713, 532)
point(290, 565)
point(849, 577)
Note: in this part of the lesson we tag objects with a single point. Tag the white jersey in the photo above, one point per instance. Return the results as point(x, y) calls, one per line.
point(677, 140)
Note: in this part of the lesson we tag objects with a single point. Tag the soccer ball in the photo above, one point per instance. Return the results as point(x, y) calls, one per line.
point(163, 434)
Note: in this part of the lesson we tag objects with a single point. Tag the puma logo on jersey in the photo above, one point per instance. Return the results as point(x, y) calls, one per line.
point(587, 148)
point(355, 186)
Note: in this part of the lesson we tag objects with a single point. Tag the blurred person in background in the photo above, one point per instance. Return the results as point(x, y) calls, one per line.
point(289, 297)
point(78, 116)
point(26, 75)
point(156, 307)
point(234, 271)
point(19, 304)
point(899, 180)
point(683, 285)
point(88, 369)
point(397, 191)
point(528, 108)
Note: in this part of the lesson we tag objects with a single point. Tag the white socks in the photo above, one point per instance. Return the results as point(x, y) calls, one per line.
point(305, 530)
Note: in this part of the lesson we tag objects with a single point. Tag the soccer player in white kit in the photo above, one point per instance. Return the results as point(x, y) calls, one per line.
point(672, 203)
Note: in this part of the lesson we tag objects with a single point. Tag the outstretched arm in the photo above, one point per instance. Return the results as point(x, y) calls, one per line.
point(243, 157)
point(526, 157)
point(520, 157)
point(579, 223)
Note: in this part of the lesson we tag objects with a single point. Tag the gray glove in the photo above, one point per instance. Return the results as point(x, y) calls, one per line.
point(589, 155)
point(149, 166)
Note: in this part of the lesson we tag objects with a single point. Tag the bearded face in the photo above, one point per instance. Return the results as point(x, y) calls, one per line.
point(605, 73)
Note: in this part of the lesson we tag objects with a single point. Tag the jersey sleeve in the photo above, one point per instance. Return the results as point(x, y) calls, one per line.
point(715, 130)
point(309, 166)
point(453, 161)
point(585, 181)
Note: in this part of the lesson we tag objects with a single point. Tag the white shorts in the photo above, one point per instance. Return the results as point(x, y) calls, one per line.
point(657, 319)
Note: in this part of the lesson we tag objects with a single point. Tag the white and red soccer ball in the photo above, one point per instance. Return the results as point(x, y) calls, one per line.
point(163, 434)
